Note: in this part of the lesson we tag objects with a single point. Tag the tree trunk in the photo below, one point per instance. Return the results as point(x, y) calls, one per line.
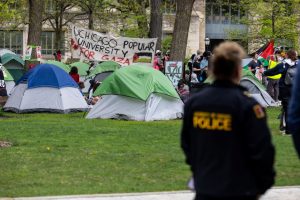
point(91, 19)
point(59, 27)
point(181, 29)
point(156, 22)
point(35, 25)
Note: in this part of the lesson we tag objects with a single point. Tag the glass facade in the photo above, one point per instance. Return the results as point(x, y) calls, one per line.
point(224, 12)
point(12, 40)
point(48, 43)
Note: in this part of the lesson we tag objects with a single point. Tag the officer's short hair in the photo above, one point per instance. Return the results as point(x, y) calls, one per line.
point(226, 58)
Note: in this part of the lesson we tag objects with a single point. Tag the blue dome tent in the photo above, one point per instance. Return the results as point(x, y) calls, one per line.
point(46, 88)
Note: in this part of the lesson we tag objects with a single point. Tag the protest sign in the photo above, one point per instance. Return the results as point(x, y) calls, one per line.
point(97, 46)
point(174, 71)
point(28, 51)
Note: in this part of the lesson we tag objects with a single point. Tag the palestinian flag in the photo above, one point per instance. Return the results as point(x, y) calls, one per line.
point(264, 52)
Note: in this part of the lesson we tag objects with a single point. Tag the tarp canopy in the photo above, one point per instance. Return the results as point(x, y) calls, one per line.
point(82, 67)
point(59, 64)
point(136, 81)
point(107, 66)
point(8, 57)
point(7, 75)
point(47, 75)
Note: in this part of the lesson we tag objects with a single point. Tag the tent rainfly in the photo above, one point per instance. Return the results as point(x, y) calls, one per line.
point(46, 88)
point(100, 72)
point(59, 64)
point(14, 64)
point(137, 92)
point(9, 81)
point(256, 89)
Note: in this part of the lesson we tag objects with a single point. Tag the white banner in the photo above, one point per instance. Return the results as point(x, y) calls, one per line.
point(97, 46)
point(174, 71)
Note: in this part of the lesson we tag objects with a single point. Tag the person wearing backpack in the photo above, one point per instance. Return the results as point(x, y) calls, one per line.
point(287, 69)
point(294, 113)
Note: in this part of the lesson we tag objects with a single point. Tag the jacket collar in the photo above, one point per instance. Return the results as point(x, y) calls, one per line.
point(227, 84)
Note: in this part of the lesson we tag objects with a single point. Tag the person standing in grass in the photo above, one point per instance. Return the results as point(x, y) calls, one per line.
point(285, 82)
point(225, 136)
point(3, 92)
point(294, 112)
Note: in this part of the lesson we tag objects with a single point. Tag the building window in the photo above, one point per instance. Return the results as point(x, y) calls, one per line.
point(216, 13)
point(12, 40)
point(48, 43)
point(49, 6)
point(208, 14)
point(225, 18)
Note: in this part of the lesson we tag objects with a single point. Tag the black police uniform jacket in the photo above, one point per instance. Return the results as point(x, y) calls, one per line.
point(227, 143)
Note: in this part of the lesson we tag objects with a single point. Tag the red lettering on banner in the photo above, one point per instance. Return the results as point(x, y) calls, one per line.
point(88, 54)
point(123, 61)
point(105, 57)
point(127, 61)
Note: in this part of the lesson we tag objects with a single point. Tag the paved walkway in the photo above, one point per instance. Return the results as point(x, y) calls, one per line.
point(277, 193)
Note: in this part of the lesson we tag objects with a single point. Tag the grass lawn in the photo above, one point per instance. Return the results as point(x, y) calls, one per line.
point(55, 154)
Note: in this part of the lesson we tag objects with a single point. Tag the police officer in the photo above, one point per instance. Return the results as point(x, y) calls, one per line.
point(225, 136)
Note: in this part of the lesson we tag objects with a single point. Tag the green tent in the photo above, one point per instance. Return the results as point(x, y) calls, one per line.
point(248, 74)
point(82, 67)
point(14, 64)
point(59, 64)
point(137, 92)
point(106, 66)
point(7, 75)
point(254, 86)
point(6, 58)
point(136, 81)
point(9, 80)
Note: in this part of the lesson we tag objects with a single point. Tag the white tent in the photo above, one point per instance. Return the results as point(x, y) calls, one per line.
point(157, 107)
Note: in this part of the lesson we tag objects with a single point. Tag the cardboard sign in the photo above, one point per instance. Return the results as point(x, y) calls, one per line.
point(97, 46)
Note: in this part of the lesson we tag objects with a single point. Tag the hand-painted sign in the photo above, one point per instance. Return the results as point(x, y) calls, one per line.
point(174, 71)
point(97, 46)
